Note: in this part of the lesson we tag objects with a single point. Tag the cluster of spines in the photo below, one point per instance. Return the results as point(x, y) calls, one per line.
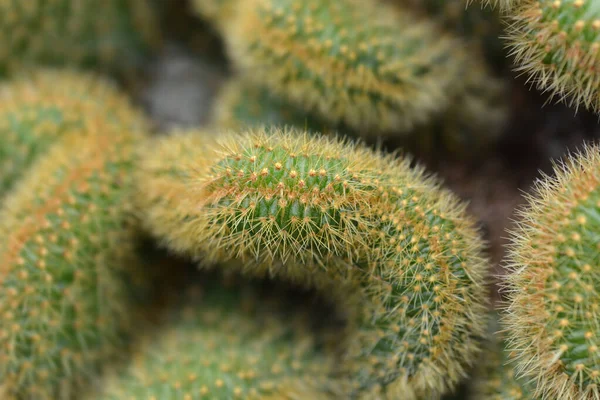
point(38, 108)
point(558, 44)
point(554, 303)
point(65, 257)
point(361, 64)
point(227, 341)
point(110, 34)
point(396, 252)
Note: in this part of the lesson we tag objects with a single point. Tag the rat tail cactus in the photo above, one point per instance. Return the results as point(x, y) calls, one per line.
point(39, 108)
point(227, 342)
point(394, 251)
point(66, 250)
point(558, 44)
point(554, 302)
point(110, 34)
point(361, 64)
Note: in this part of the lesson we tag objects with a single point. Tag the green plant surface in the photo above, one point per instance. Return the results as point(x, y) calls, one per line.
point(65, 256)
point(37, 109)
point(226, 341)
point(557, 43)
point(110, 34)
point(395, 252)
point(553, 309)
point(365, 65)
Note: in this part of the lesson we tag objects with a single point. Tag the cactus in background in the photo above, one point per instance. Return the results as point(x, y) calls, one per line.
point(393, 250)
point(557, 43)
point(553, 311)
point(111, 34)
point(217, 12)
point(495, 377)
point(241, 104)
point(225, 342)
point(502, 4)
point(64, 258)
point(37, 109)
point(362, 64)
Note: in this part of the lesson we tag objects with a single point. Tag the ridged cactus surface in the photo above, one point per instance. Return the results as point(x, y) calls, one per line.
point(110, 34)
point(65, 254)
point(558, 44)
point(395, 252)
point(36, 109)
point(226, 342)
point(363, 64)
point(552, 318)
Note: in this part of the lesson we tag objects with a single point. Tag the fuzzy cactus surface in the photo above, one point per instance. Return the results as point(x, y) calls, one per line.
point(65, 260)
point(553, 310)
point(393, 250)
point(366, 65)
point(37, 109)
point(226, 341)
point(109, 34)
point(558, 44)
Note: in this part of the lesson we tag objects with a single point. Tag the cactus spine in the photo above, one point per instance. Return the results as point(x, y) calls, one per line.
point(111, 34)
point(64, 259)
point(552, 315)
point(226, 342)
point(361, 64)
point(39, 108)
point(395, 251)
point(558, 43)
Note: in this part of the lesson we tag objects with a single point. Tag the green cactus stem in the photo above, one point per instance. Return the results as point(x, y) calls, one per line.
point(558, 44)
point(38, 108)
point(227, 341)
point(64, 260)
point(395, 252)
point(362, 64)
point(110, 34)
point(552, 314)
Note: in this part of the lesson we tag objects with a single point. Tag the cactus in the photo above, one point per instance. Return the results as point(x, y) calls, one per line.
point(503, 5)
point(241, 104)
point(65, 256)
point(226, 342)
point(39, 108)
point(495, 377)
point(111, 34)
point(218, 12)
point(552, 313)
point(395, 252)
point(557, 43)
point(362, 64)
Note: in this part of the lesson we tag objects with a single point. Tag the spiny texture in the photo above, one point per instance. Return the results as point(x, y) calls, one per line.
point(108, 33)
point(495, 377)
point(242, 104)
point(554, 307)
point(504, 5)
point(395, 252)
point(226, 342)
point(558, 43)
point(363, 64)
point(38, 108)
point(65, 250)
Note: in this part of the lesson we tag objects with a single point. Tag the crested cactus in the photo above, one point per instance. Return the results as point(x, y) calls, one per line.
point(111, 34)
point(558, 44)
point(552, 314)
point(38, 108)
point(495, 377)
point(362, 64)
point(65, 258)
point(226, 342)
point(242, 104)
point(395, 252)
